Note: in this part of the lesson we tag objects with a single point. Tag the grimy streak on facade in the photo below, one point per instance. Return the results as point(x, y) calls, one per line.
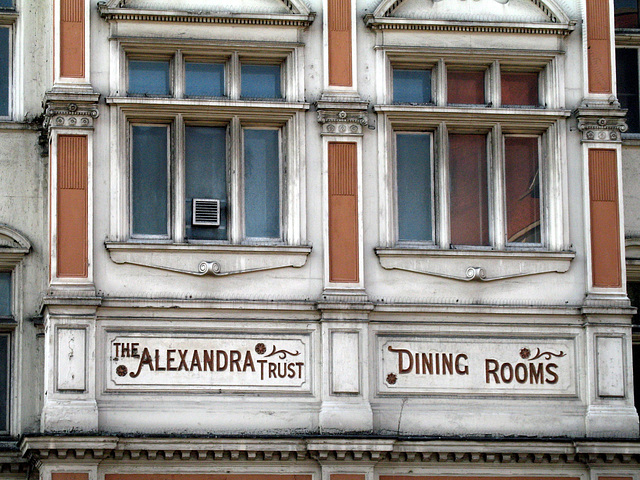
point(319, 239)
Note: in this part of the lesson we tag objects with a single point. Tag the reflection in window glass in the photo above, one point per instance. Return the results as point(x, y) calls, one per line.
point(413, 176)
point(633, 290)
point(149, 77)
point(261, 183)
point(204, 79)
point(260, 81)
point(465, 87)
point(627, 79)
point(4, 71)
point(4, 382)
point(5, 293)
point(626, 13)
point(522, 189)
point(6, 3)
point(206, 177)
point(519, 88)
point(149, 180)
point(469, 205)
point(411, 86)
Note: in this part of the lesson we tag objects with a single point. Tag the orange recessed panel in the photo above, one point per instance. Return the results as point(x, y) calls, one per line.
point(69, 476)
point(339, 21)
point(605, 221)
point(451, 477)
point(72, 224)
point(599, 46)
point(343, 212)
point(200, 476)
point(72, 38)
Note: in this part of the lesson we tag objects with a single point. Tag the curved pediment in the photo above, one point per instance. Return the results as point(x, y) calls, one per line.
point(13, 246)
point(506, 16)
point(260, 12)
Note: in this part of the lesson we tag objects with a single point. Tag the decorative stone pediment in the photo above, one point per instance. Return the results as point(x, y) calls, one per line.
point(499, 16)
point(13, 247)
point(259, 12)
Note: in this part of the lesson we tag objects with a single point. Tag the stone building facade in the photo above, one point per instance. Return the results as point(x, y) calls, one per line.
point(319, 240)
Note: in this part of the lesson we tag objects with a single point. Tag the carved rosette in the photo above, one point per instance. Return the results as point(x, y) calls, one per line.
point(601, 125)
point(342, 121)
point(70, 110)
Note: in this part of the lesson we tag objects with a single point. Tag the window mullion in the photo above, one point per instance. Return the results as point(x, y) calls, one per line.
point(440, 96)
point(178, 181)
point(178, 75)
point(496, 189)
point(236, 188)
point(494, 86)
point(233, 78)
point(442, 221)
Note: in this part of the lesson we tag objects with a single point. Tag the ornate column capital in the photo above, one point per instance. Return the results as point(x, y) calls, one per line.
point(340, 116)
point(70, 110)
point(601, 124)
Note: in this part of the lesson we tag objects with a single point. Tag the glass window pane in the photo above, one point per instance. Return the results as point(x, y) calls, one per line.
point(261, 183)
point(465, 87)
point(522, 185)
point(627, 80)
point(204, 79)
point(260, 81)
point(411, 86)
point(6, 3)
point(636, 373)
point(469, 204)
point(149, 181)
point(4, 382)
point(5, 293)
point(206, 177)
point(413, 176)
point(519, 88)
point(149, 77)
point(626, 13)
point(5, 56)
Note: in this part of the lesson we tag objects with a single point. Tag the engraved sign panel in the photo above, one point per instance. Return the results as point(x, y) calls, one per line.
point(234, 363)
point(476, 366)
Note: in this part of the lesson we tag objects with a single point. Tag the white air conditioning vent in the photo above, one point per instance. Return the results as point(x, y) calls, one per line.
point(206, 212)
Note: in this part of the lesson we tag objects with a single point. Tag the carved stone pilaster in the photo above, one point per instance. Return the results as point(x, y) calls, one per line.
point(70, 110)
point(601, 124)
point(342, 117)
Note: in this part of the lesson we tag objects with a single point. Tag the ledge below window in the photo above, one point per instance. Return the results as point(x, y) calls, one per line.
point(215, 260)
point(468, 265)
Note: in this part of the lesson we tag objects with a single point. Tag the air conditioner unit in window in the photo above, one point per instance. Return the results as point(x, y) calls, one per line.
point(206, 212)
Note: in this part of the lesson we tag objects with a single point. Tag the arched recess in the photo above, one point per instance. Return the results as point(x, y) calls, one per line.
point(13, 246)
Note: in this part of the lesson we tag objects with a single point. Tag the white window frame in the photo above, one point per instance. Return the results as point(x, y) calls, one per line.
point(9, 19)
point(629, 41)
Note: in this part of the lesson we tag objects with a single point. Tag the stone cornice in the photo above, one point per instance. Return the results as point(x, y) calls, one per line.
point(43, 449)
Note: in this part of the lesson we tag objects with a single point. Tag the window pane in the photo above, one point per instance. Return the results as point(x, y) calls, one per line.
point(204, 79)
point(149, 78)
point(413, 175)
point(4, 71)
point(260, 81)
point(261, 183)
point(636, 373)
point(411, 86)
point(465, 87)
point(6, 3)
point(4, 383)
point(149, 181)
point(519, 88)
point(522, 185)
point(633, 291)
point(206, 177)
point(5, 293)
point(468, 173)
point(627, 79)
point(626, 13)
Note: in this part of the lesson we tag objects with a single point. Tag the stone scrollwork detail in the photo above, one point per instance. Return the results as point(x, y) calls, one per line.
point(601, 125)
point(476, 273)
point(70, 110)
point(342, 118)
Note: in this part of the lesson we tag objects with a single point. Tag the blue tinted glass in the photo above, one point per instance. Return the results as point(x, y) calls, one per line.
point(261, 183)
point(414, 187)
point(149, 78)
point(5, 293)
point(4, 382)
point(204, 79)
point(4, 72)
point(149, 181)
point(6, 3)
point(206, 177)
point(411, 86)
point(260, 81)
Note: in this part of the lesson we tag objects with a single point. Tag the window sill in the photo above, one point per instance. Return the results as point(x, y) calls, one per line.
point(208, 259)
point(478, 265)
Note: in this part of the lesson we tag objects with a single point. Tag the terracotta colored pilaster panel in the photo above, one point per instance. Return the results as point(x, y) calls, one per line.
point(72, 38)
point(599, 46)
point(347, 476)
point(451, 477)
point(343, 212)
point(339, 20)
point(72, 231)
point(200, 476)
point(605, 222)
point(69, 476)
